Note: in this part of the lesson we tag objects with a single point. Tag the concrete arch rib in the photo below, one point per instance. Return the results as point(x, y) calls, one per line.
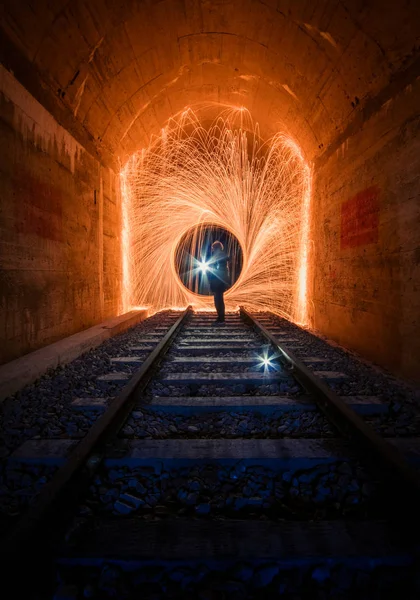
point(105, 61)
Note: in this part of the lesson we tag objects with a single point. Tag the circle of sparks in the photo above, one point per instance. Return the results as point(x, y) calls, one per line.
point(195, 263)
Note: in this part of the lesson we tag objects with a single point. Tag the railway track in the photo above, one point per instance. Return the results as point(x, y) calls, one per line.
point(224, 466)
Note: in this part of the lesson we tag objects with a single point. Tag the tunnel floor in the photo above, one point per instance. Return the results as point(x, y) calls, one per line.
point(224, 474)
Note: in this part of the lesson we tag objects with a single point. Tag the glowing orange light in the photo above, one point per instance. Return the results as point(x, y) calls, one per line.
point(224, 176)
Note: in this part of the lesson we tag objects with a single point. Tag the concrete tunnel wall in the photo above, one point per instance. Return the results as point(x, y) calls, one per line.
point(366, 231)
point(59, 229)
point(341, 78)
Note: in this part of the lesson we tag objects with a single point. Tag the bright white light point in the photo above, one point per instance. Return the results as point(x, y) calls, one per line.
point(204, 267)
point(266, 361)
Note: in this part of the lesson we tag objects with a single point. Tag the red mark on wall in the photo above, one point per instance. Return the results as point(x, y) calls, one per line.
point(360, 219)
point(332, 272)
point(38, 207)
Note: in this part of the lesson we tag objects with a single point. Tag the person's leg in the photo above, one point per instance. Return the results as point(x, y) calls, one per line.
point(216, 302)
point(219, 305)
point(222, 307)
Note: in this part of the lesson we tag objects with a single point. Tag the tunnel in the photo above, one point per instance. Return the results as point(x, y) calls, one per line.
point(294, 125)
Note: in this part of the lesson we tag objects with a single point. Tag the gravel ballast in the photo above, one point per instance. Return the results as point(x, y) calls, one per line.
point(43, 411)
point(241, 580)
point(161, 424)
point(43, 408)
point(325, 491)
point(363, 378)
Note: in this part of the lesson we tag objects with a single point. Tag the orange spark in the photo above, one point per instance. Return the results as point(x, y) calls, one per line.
point(225, 176)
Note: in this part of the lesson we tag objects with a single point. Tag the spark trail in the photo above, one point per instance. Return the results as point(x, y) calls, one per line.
point(226, 176)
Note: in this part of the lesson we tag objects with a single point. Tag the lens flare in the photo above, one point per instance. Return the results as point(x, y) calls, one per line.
point(266, 361)
point(225, 175)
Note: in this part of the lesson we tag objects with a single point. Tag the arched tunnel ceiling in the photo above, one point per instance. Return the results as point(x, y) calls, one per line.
point(123, 68)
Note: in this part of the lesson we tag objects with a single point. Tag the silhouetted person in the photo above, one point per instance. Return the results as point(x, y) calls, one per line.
point(219, 278)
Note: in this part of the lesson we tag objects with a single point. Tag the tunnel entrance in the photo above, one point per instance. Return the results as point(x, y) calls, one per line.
point(193, 257)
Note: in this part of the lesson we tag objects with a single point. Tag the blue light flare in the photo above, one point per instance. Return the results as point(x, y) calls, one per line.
point(266, 360)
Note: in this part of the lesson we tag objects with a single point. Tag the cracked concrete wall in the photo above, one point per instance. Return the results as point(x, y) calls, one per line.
point(330, 74)
point(59, 229)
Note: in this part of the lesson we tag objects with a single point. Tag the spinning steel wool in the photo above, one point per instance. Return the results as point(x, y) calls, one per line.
point(222, 175)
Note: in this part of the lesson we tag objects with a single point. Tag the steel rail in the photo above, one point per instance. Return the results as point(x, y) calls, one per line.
point(376, 450)
point(44, 522)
